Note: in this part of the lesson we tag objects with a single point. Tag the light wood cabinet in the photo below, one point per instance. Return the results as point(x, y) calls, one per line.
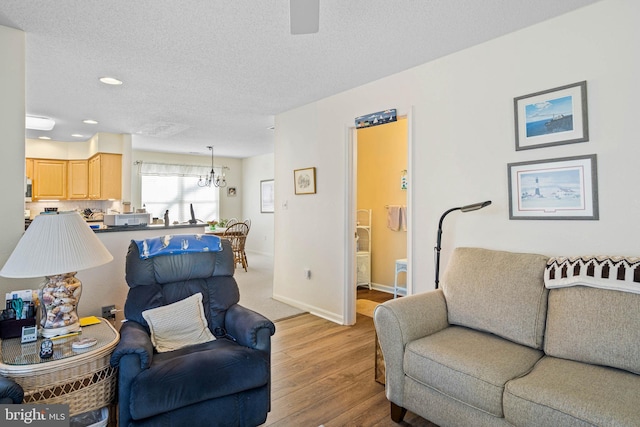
point(49, 179)
point(105, 176)
point(99, 178)
point(29, 168)
point(78, 179)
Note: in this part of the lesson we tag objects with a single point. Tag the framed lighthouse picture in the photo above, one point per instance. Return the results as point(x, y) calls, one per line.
point(563, 188)
point(552, 117)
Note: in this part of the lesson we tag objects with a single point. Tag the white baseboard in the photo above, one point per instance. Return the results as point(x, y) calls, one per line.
point(332, 317)
point(386, 288)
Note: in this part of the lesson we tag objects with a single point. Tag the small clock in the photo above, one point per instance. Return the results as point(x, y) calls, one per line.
point(29, 334)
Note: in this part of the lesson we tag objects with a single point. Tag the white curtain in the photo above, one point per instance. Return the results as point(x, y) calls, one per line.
point(164, 169)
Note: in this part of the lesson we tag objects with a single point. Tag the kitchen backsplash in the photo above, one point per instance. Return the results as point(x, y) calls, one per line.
point(106, 206)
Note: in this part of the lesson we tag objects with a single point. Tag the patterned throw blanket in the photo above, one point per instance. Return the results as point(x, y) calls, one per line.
point(178, 244)
point(605, 272)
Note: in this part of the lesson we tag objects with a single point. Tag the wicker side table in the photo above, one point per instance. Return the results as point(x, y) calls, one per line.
point(82, 379)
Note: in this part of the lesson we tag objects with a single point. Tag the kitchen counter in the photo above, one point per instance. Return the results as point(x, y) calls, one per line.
point(159, 227)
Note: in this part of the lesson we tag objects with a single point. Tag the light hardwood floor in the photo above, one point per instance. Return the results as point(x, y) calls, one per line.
point(323, 374)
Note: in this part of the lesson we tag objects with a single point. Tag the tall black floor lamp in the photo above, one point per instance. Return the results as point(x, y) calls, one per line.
point(467, 208)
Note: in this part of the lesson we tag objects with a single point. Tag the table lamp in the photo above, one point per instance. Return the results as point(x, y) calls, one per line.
point(57, 245)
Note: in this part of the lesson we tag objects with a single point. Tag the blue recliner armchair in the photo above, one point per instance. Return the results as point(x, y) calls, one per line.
point(225, 382)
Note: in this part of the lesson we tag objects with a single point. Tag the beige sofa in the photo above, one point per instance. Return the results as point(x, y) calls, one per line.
point(495, 347)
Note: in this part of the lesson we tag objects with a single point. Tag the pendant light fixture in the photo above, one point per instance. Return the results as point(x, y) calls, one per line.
point(217, 181)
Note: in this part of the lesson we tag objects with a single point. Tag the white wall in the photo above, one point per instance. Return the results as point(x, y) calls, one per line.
point(256, 169)
point(12, 173)
point(463, 139)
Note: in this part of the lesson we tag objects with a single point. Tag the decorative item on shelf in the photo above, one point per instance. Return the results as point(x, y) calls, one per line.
point(467, 208)
point(375, 119)
point(57, 245)
point(217, 181)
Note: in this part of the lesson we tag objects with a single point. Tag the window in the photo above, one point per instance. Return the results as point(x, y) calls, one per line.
point(175, 188)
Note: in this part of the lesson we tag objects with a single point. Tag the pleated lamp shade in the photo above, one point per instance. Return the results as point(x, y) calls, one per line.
point(55, 244)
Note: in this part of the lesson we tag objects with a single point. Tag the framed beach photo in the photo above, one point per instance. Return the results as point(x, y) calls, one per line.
point(564, 188)
point(305, 181)
point(267, 196)
point(552, 117)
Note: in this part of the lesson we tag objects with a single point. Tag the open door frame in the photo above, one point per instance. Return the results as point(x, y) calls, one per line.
point(351, 172)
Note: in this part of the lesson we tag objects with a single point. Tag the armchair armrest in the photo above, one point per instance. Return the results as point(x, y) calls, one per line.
point(10, 391)
point(135, 340)
point(401, 321)
point(249, 328)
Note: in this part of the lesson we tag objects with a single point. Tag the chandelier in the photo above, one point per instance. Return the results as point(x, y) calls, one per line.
point(212, 178)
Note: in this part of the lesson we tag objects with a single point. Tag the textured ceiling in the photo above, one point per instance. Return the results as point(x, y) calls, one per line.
point(213, 72)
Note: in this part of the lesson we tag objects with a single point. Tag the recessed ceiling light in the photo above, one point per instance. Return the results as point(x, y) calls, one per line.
point(110, 81)
point(43, 137)
point(90, 122)
point(39, 123)
point(76, 135)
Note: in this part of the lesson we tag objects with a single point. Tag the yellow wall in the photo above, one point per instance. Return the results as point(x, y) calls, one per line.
point(382, 156)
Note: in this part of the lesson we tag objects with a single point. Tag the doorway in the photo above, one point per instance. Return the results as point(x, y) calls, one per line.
point(380, 173)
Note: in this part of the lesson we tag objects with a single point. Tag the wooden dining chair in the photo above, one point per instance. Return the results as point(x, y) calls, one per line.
point(248, 222)
point(237, 235)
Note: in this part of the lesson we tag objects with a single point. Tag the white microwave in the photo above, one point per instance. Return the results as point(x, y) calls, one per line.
point(28, 188)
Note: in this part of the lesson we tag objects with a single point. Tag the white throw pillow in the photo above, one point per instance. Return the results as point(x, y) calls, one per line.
point(178, 325)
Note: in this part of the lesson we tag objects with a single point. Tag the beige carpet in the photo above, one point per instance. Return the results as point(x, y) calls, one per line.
point(366, 307)
point(256, 289)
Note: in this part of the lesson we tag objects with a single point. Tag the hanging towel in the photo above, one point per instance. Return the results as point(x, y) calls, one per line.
point(394, 218)
point(403, 217)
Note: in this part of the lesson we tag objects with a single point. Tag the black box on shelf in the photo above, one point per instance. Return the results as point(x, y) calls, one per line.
point(12, 328)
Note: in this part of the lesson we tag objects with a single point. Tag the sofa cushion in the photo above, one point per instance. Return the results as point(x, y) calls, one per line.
point(498, 292)
point(594, 326)
point(178, 325)
point(561, 392)
point(469, 366)
point(195, 374)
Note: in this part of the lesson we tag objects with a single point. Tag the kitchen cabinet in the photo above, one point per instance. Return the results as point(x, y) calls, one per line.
point(105, 176)
point(49, 179)
point(29, 168)
point(78, 179)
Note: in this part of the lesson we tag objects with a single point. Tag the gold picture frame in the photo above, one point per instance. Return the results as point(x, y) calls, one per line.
point(304, 180)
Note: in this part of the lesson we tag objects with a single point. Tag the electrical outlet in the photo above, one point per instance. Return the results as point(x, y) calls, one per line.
point(108, 312)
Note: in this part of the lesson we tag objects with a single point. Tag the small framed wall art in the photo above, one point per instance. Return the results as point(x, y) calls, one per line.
point(552, 117)
point(305, 180)
point(563, 188)
point(267, 196)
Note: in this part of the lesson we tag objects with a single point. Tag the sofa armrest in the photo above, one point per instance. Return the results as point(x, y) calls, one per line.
point(400, 321)
point(135, 340)
point(10, 391)
point(249, 328)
